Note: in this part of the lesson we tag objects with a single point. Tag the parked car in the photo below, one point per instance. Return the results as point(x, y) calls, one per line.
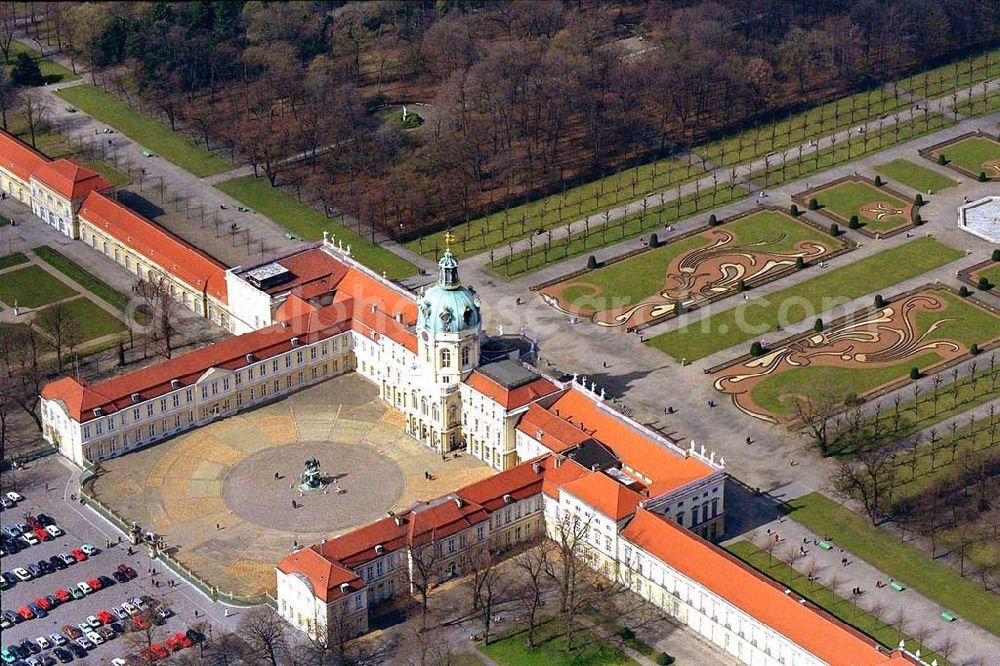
point(105, 581)
point(46, 566)
point(22, 574)
point(86, 588)
point(43, 603)
point(42, 534)
point(32, 522)
point(36, 609)
point(53, 530)
point(93, 621)
point(89, 549)
point(34, 570)
point(63, 655)
point(127, 570)
point(183, 639)
point(43, 642)
point(94, 637)
point(84, 642)
point(11, 530)
point(13, 616)
point(94, 583)
point(26, 613)
point(53, 600)
point(140, 622)
point(106, 632)
point(70, 632)
point(78, 650)
point(105, 617)
point(159, 651)
point(120, 577)
point(130, 608)
point(45, 520)
point(78, 555)
point(31, 646)
point(6, 503)
point(57, 639)
point(7, 656)
point(15, 496)
point(57, 562)
point(76, 592)
point(10, 577)
point(195, 635)
point(29, 538)
point(164, 612)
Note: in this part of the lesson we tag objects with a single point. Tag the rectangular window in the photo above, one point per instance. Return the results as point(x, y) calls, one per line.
point(163, 405)
point(239, 378)
point(288, 381)
point(274, 365)
point(189, 395)
point(135, 414)
point(215, 388)
point(177, 400)
point(299, 357)
point(149, 409)
point(288, 360)
point(204, 392)
point(225, 384)
point(312, 353)
point(86, 432)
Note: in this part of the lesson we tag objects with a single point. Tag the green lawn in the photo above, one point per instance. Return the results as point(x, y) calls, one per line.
point(511, 648)
point(309, 224)
point(955, 75)
point(592, 198)
point(93, 321)
point(31, 287)
point(992, 274)
point(807, 299)
point(600, 235)
point(642, 276)
point(822, 596)
point(979, 105)
point(970, 154)
point(51, 70)
point(75, 272)
point(15, 259)
point(936, 581)
point(847, 198)
point(912, 175)
point(148, 131)
point(801, 127)
point(846, 151)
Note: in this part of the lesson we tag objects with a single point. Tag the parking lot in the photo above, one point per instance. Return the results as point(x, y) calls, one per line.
point(49, 487)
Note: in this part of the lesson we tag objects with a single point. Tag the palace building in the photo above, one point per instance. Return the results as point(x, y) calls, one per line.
point(566, 459)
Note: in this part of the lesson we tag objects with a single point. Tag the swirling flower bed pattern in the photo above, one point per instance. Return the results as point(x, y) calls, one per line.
point(921, 329)
point(692, 278)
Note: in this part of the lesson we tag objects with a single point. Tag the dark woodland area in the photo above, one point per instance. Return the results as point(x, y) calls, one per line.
point(508, 100)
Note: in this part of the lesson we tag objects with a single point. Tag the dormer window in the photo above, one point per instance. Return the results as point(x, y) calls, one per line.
point(175, 383)
point(379, 550)
point(506, 498)
point(136, 398)
point(249, 358)
point(98, 411)
point(295, 342)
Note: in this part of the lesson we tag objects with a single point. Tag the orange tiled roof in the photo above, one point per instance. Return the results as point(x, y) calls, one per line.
point(520, 482)
point(18, 157)
point(604, 494)
point(173, 254)
point(667, 470)
point(325, 576)
point(554, 433)
point(293, 306)
point(69, 179)
point(510, 398)
point(751, 591)
point(115, 394)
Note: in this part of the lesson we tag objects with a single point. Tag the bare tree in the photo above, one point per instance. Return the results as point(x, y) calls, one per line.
point(813, 413)
point(425, 564)
point(8, 96)
point(263, 630)
point(20, 364)
point(62, 329)
point(162, 309)
point(532, 565)
point(865, 478)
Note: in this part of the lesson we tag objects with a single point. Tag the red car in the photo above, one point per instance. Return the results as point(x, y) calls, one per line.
point(94, 583)
point(159, 651)
point(127, 571)
point(42, 534)
point(63, 595)
point(25, 612)
point(140, 622)
point(182, 638)
point(43, 603)
point(105, 617)
point(78, 555)
point(33, 522)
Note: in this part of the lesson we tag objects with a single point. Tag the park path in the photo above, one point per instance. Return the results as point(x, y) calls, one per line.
point(972, 644)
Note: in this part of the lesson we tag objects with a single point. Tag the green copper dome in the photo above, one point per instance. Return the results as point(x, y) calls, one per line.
point(448, 307)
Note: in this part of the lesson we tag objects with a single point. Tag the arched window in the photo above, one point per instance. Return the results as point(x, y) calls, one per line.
point(465, 356)
point(445, 358)
point(423, 406)
point(436, 413)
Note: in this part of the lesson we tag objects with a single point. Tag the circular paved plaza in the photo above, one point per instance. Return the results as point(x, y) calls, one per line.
point(213, 494)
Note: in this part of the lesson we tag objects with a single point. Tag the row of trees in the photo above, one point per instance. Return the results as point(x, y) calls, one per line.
point(526, 96)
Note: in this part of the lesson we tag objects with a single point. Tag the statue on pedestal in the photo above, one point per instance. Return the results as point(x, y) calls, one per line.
point(312, 477)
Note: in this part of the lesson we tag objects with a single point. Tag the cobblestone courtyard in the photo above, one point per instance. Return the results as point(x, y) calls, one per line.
point(213, 494)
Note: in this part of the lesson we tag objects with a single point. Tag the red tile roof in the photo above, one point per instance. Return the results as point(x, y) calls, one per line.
point(378, 307)
point(18, 157)
point(510, 398)
point(170, 252)
point(114, 394)
point(750, 591)
point(293, 306)
point(325, 577)
point(69, 179)
point(554, 433)
point(605, 495)
point(520, 482)
point(666, 469)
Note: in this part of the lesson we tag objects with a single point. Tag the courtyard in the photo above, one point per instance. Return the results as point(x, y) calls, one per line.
point(225, 496)
point(862, 353)
point(747, 250)
point(970, 155)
